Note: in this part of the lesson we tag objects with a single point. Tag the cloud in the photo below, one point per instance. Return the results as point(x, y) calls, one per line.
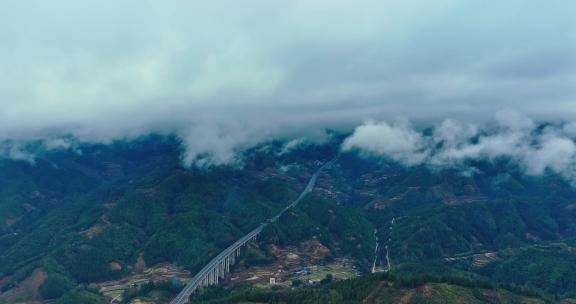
point(555, 153)
point(27, 150)
point(452, 144)
point(99, 70)
point(570, 129)
point(398, 141)
point(217, 144)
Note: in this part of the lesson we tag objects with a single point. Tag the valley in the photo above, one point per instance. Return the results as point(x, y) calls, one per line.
point(131, 225)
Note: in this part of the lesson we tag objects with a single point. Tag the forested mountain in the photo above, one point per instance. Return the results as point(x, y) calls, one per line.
point(381, 288)
point(74, 222)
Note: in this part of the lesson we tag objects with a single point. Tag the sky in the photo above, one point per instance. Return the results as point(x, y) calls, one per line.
point(225, 75)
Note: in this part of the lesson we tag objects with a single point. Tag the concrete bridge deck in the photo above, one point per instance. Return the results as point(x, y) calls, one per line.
point(219, 266)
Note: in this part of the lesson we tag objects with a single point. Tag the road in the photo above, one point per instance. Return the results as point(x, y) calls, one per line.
point(386, 247)
point(308, 189)
point(388, 263)
point(375, 251)
point(196, 281)
point(115, 299)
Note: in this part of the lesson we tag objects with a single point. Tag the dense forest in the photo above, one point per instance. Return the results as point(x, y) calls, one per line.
point(76, 218)
point(381, 288)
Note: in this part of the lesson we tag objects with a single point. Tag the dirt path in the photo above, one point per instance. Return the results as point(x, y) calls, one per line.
point(375, 251)
point(117, 298)
point(387, 247)
point(370, 298)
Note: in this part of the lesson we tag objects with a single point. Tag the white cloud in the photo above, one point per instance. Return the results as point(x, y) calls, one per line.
point(452, 133)
point(510, 120)
point(556, 153)
point(570, 129)
point(217, 144)
point(453, 143)
point(398, 141)
point(102, 70)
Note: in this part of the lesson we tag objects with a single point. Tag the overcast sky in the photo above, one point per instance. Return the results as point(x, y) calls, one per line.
point(225, 73)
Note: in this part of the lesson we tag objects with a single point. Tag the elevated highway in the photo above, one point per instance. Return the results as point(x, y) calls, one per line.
point(219, 266)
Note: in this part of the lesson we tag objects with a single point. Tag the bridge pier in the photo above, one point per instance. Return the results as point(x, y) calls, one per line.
point(221, 264)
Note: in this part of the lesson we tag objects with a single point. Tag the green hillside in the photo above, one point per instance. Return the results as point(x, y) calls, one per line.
point(381, 288)
point(75, 224)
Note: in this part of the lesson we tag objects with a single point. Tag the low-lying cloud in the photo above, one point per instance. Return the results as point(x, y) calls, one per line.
point(397, 140)
point(534, 147)
point(225, 75)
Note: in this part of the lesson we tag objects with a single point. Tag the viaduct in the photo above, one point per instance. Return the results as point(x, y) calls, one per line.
point(218, 267)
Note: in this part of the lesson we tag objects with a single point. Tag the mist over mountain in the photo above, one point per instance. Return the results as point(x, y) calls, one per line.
point(534, 147)
point(80, 223)
point(289, 151)
point(225, 76)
